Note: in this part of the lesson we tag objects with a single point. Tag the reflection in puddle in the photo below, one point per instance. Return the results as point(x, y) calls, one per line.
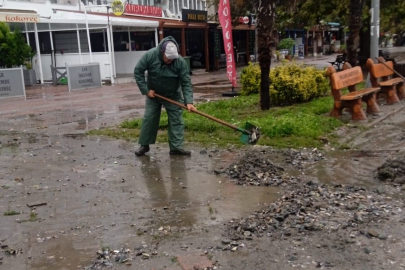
point(63, 253)
point(182, 196)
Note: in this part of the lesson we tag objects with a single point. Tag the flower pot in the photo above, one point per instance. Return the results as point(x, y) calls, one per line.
point(30, 77)
point(288, 57)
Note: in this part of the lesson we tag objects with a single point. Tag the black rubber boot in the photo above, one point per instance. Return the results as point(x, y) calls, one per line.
point(142, 150)
point(180, 152)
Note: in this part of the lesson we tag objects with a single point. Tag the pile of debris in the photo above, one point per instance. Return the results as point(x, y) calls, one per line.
point(299, 158)
point(392, 171)
point(256, 169)
point(312, 207)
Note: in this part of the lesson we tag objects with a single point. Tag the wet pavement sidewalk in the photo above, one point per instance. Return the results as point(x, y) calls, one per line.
point(58, 111)
point(92, 192)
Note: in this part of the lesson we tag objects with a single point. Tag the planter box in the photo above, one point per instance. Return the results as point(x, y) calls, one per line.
point(30, 77)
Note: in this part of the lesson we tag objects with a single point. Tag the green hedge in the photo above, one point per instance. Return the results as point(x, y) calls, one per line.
point(289, 83)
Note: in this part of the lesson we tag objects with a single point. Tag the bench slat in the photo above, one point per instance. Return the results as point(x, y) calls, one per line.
point(359, 93)
point(346, 78)
point(391, 82)
point(380, 70)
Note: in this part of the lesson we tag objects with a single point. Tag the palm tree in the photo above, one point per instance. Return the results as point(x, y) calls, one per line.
point(355, 24)
point(265, 23)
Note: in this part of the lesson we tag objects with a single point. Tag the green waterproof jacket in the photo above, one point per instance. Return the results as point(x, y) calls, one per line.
point(164, 79)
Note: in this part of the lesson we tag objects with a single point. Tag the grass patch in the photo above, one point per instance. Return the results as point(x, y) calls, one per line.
point(11, 213)
point(33, 217)
point(300, 125)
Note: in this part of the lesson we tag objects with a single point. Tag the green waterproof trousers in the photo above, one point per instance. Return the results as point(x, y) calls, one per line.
point(151, 118)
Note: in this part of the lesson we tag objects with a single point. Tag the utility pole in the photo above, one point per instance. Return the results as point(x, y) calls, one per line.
point(375, 28)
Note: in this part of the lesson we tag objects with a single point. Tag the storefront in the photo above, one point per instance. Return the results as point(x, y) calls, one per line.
point(244, 43)
point(314, 44)
point(62, 39)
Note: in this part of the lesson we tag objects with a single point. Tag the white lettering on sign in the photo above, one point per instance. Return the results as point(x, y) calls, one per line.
point(224, 19)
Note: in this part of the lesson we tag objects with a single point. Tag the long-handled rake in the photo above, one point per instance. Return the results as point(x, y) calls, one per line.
point(250, 133)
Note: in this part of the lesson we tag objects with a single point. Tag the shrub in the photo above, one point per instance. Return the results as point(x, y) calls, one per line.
point(289, 83)
point(286, 43)
point(14, 51)
point(250, 78)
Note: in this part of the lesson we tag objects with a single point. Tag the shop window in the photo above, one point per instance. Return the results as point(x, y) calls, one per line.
point(33, 45)
point(121, 40)
point(44, 42)
point(98, 39)
point(142, 41)
point(66, 42)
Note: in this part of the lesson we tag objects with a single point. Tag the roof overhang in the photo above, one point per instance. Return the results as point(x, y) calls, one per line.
point(80, 18)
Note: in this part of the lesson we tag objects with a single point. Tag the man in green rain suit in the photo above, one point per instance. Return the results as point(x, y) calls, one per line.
point(168, 75)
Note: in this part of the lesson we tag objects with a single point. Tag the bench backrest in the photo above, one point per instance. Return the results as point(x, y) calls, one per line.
point(346, 78)
point(379, 70)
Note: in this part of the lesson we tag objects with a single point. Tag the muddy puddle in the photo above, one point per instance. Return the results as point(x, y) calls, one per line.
point(97, 193)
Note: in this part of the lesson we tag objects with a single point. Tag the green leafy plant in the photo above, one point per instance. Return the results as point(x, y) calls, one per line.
point(290, 83)
point(286, 44)
point(14, 51)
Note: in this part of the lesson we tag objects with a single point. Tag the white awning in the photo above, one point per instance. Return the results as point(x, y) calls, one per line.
point(75, 17)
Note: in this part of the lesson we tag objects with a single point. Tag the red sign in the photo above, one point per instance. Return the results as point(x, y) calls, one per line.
point(245, 20)
point(224, 13)
point(143, 10)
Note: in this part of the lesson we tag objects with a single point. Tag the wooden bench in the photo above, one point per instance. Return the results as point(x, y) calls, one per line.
point(340, 61)
point(381, 76)
point(349, 78)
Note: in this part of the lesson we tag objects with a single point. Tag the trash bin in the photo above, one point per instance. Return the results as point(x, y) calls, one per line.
point(187, 58)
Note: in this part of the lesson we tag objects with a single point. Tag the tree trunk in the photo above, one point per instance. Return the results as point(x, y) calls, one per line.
point(353, 41)
point(265, 24)
point(365, 39)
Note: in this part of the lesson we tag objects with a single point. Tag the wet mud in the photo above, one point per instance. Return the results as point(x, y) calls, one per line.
point(73, 201)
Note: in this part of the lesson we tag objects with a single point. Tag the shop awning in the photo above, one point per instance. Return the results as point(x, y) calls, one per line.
point(78, 17)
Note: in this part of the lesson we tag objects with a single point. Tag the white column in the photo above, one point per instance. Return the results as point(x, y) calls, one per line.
point(110, 56)
point(52, 48)
point(156, 37)
point(188, 4)
point(88, 34)
point(26, 34)
point(50, 38)
point(112, 50)
point(41, 75)
point(78, 44)
point(196, 5)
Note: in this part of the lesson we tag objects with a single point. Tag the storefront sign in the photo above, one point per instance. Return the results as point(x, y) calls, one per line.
point(143, 10)
point(117, 7)
point(12, 83)
point(217, 49)
point(188, 15)
point(224, 13)
point(19, 17)
point(83, 76)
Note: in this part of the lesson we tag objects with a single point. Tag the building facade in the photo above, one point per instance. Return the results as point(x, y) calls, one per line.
point(74, 32)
